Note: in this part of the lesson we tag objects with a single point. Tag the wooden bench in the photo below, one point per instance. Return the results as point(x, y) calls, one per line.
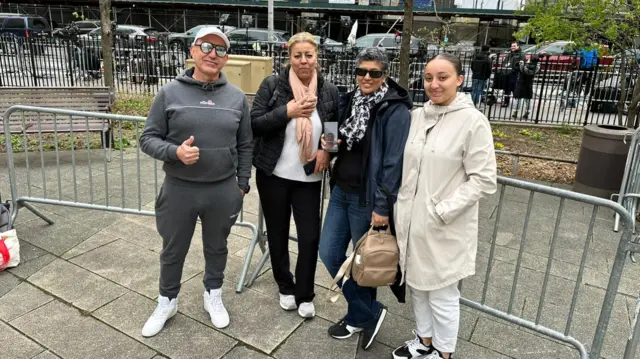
point(93, 99)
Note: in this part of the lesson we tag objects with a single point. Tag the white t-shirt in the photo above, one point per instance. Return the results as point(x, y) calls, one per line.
point(289, 165)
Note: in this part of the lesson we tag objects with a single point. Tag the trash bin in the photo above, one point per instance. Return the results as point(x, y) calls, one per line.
point(602, 159)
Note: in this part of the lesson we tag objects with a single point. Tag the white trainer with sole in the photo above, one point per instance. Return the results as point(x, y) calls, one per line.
point(214, 306)
point(165, 310)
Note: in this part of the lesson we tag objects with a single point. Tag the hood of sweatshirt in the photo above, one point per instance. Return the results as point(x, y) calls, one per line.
point(187, 78)
point(436, 112)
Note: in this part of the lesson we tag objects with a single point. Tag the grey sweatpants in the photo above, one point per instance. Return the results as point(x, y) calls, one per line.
point(178, 207)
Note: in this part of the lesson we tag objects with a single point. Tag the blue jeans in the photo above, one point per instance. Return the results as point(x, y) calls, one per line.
point(346, 221)
point(477, 88)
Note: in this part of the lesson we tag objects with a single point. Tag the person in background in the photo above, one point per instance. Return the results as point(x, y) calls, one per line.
point(481, 68)
point(511, 64)
point(287, 117)
point(365, 179)
point(199, 126)
point(524, 87)
point(449, 165)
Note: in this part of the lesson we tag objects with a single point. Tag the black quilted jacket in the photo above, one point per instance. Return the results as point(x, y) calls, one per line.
point(269, 116)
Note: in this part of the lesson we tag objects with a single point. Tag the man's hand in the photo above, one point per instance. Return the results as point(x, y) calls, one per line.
point(242, 192)
point(322, 160)
point(188, 154)
point(378, 220)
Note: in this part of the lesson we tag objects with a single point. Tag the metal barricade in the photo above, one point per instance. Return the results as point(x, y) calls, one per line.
point(95, 175)
point(507, 263)
point(486, 293)
point(630, 186)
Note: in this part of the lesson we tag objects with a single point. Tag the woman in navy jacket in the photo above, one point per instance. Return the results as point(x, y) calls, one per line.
point(365, 179)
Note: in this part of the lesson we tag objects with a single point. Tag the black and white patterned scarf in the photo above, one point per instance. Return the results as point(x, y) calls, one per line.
point(353, 129)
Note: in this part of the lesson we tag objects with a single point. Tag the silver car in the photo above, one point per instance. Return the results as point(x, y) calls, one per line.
point(126, 37)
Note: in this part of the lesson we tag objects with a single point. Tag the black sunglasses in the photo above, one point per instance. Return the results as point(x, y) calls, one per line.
point(374, 74)
point(207, 47)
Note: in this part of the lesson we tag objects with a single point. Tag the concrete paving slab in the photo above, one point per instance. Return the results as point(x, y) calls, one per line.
point(97, 240)
point(130, 266)
point(76, 285)
point(515, 343)
point(395, 330)
point(182, 337)
point(465, 349)
point(57, 238)
point(136, 233)
point(312, 337)
point(241, 352)
point(16, 345)
point(8, 281)
point(21, 300)
point(377, 350)
point(83, 337)
point(32, 258)
point(46, 355)
point(245, 310)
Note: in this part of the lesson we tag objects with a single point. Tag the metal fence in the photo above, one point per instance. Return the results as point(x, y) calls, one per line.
point(629, 194)
point(41, 172)
point(562, 93)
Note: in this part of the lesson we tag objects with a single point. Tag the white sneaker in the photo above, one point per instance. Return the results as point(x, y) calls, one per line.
point(287, 302)
point(307, 310)
point(166, 309)
point(213, 305)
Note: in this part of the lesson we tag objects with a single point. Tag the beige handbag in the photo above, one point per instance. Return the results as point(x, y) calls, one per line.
point(373, 263)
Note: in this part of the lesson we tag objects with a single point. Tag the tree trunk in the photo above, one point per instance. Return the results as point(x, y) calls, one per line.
point(405, 47)
point(107, 42)
point(632, 114)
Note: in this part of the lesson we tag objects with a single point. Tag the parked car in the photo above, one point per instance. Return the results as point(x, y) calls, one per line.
point(84, 27)
point(254, 39)
point(183, 40)
point(391, 42)
point(24, 25)
point(330, 46)
point(20, 27)
point(126, 37)
point(556, 56)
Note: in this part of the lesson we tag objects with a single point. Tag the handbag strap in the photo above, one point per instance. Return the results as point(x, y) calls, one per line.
point(4, 251)
point(344, 272)
point(387, 193)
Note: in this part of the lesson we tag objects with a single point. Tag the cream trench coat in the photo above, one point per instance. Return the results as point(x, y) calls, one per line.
point(449, 164)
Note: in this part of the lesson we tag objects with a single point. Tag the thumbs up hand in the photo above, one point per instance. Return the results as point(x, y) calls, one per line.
point(187, 153)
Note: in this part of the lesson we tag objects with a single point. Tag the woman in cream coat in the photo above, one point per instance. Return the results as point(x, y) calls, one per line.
point(449, 164)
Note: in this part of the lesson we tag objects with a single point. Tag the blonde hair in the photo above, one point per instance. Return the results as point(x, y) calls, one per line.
point(302, 37)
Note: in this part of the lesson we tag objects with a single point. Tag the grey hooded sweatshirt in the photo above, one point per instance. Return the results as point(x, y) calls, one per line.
point(216, 114)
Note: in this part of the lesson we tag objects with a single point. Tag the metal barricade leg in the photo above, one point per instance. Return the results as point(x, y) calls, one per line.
point(262, 235)
point(256, 239)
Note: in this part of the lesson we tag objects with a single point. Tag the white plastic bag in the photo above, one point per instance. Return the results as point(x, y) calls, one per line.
point(9, 250)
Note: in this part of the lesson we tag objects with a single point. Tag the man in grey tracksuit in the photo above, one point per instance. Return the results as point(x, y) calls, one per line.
point(199, 126)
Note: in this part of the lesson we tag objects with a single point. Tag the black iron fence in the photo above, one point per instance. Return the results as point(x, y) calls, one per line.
point(561, 93)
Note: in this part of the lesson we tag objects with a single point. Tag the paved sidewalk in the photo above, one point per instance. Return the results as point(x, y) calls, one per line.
point(86, 284)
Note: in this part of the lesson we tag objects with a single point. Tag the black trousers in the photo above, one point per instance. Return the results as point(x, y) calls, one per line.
point(279, 197)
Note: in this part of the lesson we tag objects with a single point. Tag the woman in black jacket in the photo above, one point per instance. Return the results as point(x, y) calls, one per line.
point(287, 119)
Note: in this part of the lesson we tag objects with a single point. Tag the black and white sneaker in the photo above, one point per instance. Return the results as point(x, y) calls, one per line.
point(412, 349)
point(369, 334)
point(342, 330)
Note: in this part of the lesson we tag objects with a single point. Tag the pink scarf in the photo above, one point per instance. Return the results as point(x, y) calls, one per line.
point(304, 127)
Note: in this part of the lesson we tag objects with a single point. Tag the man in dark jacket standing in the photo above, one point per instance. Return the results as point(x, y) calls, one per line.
point(511, 64)
point(199, 126)
point(481, 68)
